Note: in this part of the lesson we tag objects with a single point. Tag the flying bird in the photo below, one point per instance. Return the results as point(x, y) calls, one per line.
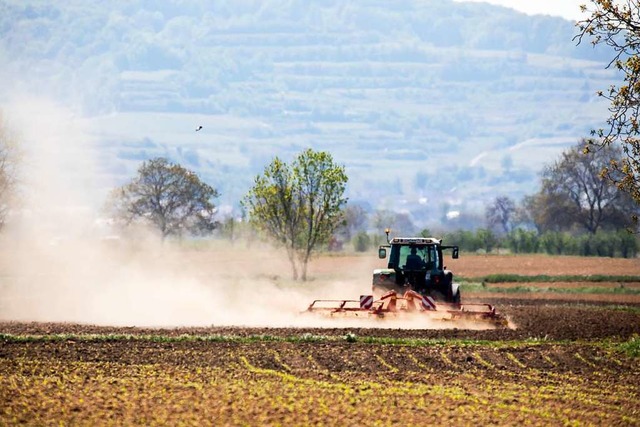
point(198, 128)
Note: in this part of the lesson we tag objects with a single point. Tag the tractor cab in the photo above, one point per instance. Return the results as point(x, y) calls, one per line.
point(416, 263)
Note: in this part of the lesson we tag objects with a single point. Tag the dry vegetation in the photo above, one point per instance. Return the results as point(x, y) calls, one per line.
point(144, 382)
point(565, 364)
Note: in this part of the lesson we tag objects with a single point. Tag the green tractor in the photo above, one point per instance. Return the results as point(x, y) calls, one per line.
point(416, 264)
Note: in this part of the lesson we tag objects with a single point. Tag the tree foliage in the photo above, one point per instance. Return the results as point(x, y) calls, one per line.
point(617, 25)
point(168, 197)
point(523, 241)
point(361, 241)
point(618, 243)
point(298, 205)
point(574, 196)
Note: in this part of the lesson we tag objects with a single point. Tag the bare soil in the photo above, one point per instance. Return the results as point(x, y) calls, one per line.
point(562, 364)
point(482, 265)
point(556, 321)
point(569, 376)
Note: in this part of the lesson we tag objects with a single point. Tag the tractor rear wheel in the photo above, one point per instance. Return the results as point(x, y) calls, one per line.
point(456, 297)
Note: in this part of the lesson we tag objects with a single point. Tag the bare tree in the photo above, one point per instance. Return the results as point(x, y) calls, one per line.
point(500, 214)
point(575, 194)
point(400, 223)
point(545, 212)
point(355, 220)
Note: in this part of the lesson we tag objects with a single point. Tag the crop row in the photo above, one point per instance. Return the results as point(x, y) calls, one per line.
point(196, 383)
point(631, 346)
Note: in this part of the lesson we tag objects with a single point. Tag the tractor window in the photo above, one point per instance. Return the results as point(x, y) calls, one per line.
point(428, 254)
point(413, 257)
point(432, 258)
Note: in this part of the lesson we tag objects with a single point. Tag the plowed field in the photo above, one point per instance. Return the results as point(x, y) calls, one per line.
point(265, 383)
point(565, 363)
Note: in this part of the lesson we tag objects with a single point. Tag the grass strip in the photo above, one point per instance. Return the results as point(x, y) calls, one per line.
point(349, 337)
point(544, 278)
point(631, 347)
point(479, 287)
point(627, 308)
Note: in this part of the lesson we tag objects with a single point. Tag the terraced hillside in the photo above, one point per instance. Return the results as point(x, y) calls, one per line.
point(479, 93)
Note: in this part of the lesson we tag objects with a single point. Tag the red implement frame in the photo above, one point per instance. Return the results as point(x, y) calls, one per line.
point(411, 302)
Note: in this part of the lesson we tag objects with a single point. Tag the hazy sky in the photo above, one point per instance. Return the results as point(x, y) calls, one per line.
point(568, 9)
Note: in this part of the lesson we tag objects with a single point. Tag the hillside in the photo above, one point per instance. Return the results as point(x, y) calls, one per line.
point(431, 105)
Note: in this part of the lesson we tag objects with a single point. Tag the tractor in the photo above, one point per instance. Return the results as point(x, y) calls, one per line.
point(414, 282)
point(416, 264)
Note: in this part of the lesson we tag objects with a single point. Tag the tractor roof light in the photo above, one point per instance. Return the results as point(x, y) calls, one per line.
point(414, 241)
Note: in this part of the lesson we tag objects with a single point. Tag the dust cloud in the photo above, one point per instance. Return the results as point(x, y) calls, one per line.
point(126, 282)
point(140, 282)
point(59, 262)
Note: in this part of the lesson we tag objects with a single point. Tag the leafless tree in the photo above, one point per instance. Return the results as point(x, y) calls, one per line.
point(500, 214)
point(355, 220)
point(574, 194)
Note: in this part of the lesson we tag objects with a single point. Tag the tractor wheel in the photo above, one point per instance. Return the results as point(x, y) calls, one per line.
point(456, 297)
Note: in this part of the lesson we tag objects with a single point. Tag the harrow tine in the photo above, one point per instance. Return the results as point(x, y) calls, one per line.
point(390, 304)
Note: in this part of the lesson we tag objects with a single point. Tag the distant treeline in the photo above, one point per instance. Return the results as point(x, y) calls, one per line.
point(603, 243)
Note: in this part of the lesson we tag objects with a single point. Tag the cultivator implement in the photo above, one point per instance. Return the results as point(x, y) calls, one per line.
point(390, 305)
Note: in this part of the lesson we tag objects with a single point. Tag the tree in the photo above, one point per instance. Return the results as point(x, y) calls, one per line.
point(168, 197)
point(574, 194)
point(523, 241)
point(399, 223)
point(500, 214)
point(524, 216)
point(9, 159)
point(298, 205)
point(355, 221)
point(383, 219)
point(362, 241)
point(545, 212)
point(617, 25)
point(556, 243)
point(487, 239)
